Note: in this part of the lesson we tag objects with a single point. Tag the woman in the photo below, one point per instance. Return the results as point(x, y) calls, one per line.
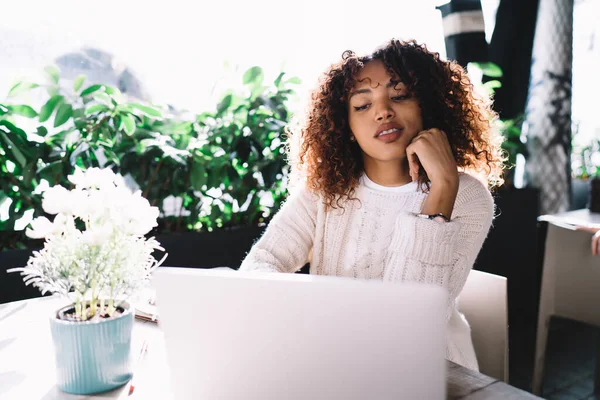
point(389, 151)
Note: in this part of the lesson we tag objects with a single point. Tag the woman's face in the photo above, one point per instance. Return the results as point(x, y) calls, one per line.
point(383, 116)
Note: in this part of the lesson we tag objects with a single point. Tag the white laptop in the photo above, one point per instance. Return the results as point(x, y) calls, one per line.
point(251, 335)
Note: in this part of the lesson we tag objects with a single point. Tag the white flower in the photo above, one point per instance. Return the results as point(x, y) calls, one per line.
point(109, 257)
point(97, 236)
point(100, 178)
point(64, 223)
point(77, 178)
point(93, 178)
point(41, 227)
point(56, 200)
point(139, 215)
point(42, 187)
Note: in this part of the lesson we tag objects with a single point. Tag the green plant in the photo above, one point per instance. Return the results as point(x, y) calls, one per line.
point(76, 126)
point(244, 154)
point(585, 155)
point(510, 129)
point(221, 168)
point(95, 246)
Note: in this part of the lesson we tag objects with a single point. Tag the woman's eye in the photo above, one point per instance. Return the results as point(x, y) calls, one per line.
point(401, 97)
point(360, 108)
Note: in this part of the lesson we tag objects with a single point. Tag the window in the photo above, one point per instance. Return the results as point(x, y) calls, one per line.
point(174, 52)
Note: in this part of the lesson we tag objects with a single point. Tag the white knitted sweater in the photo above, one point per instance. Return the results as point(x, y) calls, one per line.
point(379, 237)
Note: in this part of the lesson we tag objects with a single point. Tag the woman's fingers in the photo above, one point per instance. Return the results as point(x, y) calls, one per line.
point(413, 162)
point(595, 243)
point(586, 229)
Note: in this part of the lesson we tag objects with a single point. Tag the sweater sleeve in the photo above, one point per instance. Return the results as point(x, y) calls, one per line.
point(287, 241)
point(427, 251)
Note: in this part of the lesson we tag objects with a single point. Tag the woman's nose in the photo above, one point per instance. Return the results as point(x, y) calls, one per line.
point(384, 112)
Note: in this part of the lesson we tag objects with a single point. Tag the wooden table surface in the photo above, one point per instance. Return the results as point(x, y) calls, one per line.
point(27, 362)
point(466, 384)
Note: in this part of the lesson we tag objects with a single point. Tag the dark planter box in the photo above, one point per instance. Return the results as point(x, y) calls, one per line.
point(220, 248)
point(12, 287)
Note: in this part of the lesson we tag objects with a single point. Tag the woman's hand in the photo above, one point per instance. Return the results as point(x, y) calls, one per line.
point(432, 149)
point(595, 238)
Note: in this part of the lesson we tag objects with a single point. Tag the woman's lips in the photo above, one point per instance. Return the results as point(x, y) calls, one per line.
point(390, 137)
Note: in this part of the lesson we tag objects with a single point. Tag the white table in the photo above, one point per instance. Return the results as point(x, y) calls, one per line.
point(570, 279)
point(27, 370)
point(570, 219)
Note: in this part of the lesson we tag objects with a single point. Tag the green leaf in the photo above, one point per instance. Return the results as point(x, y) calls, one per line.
point(3, 109)
point(29, 173)
point(295, 80)
point(48, 108)
point(198, 176)
point(128, 124)
point(64, 112)
point(78, 82)
point(224, 104)
point(78, 153)
point(103, 98)
point(53, 72)
point(111, 90)
point(90, 90)
point(50, 171)
point(277, 81)
point(148, 110)
point(490, 69)
point(42, 131)
point(254, 75)
point(23, 110)
point(95, 108)
point(21, 87)
point(10, 147)
point(13, 130)
point(492, 85)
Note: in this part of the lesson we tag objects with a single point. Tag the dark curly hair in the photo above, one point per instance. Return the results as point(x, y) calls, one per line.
point(332, 164)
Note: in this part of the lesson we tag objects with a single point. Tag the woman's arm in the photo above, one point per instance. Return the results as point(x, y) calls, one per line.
point(442, 253)
point(286, 243)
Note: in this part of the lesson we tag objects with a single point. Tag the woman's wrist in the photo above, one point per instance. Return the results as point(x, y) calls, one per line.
point(440, 199)
point(447, 183)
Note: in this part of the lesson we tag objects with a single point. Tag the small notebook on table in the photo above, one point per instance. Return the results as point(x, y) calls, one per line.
point(145, 307)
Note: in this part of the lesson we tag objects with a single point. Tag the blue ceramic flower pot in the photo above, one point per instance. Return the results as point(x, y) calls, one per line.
point(92, 357)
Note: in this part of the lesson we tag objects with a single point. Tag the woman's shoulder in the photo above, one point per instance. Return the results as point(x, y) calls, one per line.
point(472, 191)
point(301, 193)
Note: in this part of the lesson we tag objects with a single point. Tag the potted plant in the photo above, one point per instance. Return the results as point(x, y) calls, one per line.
point(95, 253)
point(585, 167)
point(217, 176)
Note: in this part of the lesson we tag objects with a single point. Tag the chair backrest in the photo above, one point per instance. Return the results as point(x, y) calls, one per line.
point(483, 302)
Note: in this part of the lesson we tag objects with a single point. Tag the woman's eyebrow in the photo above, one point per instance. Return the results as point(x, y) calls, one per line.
point(359, 91)
point(391, 83)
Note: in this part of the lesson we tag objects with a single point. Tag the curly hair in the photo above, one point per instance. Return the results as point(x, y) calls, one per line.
point(332, 163)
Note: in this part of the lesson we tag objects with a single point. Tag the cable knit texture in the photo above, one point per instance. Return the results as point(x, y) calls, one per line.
point(380, 237)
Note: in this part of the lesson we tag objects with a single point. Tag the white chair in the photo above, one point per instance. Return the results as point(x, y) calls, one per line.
point(570, 287)
point(483, 302)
